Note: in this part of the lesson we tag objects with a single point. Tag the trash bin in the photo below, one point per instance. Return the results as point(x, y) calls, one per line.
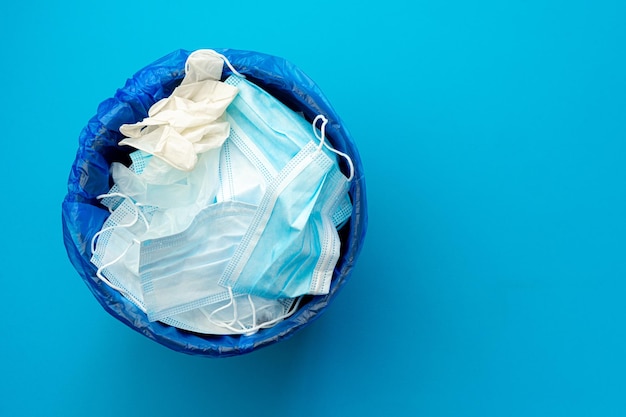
point(83, 215)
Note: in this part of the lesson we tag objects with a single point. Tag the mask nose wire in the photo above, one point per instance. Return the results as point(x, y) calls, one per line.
point(322, 138)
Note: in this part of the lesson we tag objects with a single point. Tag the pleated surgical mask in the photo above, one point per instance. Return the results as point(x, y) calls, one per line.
point(300, 262)
point(116, 254)
point(239, 178)
point(198, 186)
point(264, 136)
point(115, 248)
point(268, 132)
point(180, 273)
point(292, 246)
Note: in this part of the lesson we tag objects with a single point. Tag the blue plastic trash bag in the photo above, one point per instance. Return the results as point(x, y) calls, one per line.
point(83, 215)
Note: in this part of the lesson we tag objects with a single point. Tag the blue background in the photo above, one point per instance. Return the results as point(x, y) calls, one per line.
point(492, 279)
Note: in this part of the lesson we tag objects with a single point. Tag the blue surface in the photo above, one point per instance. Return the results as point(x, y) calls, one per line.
point(492, 280)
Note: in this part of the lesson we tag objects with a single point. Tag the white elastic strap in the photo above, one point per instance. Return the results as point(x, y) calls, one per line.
point(230, 303)
point(253, 310)
point(322, 140)
point(217, 54)
point(251, 330)
point(115, 287)
point(254, 325)
point(138, 214)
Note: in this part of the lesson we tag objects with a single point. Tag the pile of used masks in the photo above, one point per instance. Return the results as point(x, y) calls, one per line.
point(179, 177)
point(229, 211)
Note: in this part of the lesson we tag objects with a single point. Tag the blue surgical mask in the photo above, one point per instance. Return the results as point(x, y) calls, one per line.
point(260, 123)
point(272, 132)
point(292, 246)
point(239, 178)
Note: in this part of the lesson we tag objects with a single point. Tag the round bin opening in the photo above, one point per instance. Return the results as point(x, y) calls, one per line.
point(83, 214)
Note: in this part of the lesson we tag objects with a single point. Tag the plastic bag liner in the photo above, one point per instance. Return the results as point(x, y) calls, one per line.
point(83, 215)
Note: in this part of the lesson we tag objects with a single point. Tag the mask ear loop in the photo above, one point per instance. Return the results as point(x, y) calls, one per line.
point(253, 308)
point(233, 303)
point(99, 274)
point(270, 323)
point(115, 287)
point(138, 213)
point(229, 325)
point(217, 54)
point(254, 324)
point(322, 139)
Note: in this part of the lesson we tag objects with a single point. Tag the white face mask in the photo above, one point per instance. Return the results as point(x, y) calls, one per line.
point(196, 187)
point(180, 272)
point(117, 250)
point(116, 254)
